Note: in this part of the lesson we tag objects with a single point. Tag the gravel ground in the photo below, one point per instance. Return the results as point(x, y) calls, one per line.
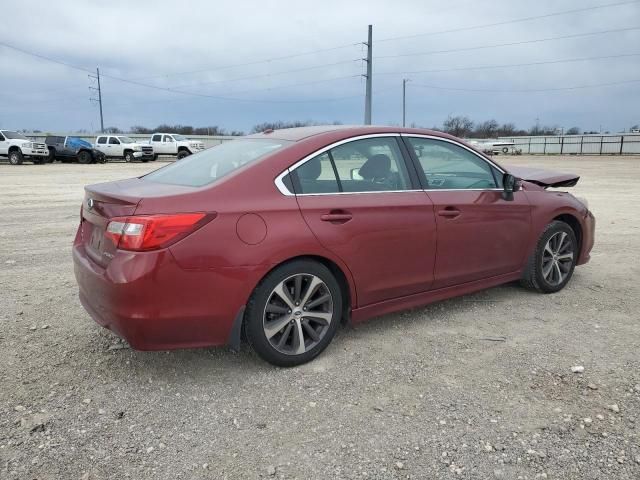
point(476, 387)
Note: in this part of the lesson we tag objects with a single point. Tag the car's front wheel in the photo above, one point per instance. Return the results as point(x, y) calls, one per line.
point(128, 157)
point(16, 157)
point(84, 157)
point(551, 266)
point(182, 154)
point(293, 313)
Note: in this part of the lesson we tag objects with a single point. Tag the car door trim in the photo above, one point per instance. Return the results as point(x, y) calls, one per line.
point(285, 191)
point(279, 180)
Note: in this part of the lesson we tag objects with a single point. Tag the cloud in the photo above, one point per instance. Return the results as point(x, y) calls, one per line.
point(159, 43)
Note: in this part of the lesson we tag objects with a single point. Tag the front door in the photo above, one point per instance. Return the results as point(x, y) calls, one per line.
point(361, 204)
point(480, 234)
point(4, 145)
point(115, 147)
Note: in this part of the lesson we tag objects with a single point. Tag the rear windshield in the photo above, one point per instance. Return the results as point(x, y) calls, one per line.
point(209, 165)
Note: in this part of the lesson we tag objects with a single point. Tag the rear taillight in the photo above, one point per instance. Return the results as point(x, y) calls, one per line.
point(150, 232)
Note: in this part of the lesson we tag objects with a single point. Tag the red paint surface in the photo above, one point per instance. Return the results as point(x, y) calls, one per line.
point(396, 251)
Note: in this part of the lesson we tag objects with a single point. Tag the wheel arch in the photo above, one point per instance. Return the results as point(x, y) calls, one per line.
point(575, 225)
point(13, 148)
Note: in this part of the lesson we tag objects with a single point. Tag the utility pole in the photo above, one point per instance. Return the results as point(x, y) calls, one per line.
point(99, 99)
point(369, 59)
point(404, 101)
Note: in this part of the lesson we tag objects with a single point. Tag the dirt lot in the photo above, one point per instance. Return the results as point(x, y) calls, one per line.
point(429, 393)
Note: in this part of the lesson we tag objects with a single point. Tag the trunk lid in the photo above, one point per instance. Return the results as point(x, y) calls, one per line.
point(544, 178)
point(104, 201)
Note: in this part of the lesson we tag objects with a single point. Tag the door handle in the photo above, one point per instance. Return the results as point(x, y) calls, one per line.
point(449, 212)
point(336, 217)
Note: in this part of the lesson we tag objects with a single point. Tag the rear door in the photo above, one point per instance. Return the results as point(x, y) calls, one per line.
point(115, 147)
point(169, 144)
point(364, 204)
point(480, 234)
point(4, 145)
point(101, 145)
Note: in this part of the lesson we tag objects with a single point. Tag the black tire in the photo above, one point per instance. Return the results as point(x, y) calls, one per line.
point(155, 157)
point(16, 157)
point(182, 154)
point(84, 157)
point(255, 313)
point(52, 155)
point(505, 150)
point(533, 277)
point(128, 156)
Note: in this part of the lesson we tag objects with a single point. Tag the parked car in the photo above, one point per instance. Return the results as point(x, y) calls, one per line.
point(287, 234)
point(69, 149)
point(174, 144)
point(121, 146)
point(16, 147)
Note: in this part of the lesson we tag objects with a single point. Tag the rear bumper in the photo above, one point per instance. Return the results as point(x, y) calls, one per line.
point(151, 302)
point(588, 238)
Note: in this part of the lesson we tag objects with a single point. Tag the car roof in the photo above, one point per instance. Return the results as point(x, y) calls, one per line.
point(301, 133)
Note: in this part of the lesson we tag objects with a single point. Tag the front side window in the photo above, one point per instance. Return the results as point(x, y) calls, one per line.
point(114, 141)
point(448, 166)
point(102, 140)
point(209, 165)
point(157, 138)
point(1, 137)
point(368, 165)
point(168, 139)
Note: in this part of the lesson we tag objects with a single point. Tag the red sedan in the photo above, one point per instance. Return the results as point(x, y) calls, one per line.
point(286, 234)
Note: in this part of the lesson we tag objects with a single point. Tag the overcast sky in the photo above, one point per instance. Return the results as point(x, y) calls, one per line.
point(183, 45)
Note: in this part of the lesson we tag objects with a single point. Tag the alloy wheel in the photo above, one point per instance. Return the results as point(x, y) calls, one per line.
point(298, 313)
point(557, 258)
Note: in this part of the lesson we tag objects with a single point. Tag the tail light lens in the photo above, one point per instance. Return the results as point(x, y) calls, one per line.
point(151, 232)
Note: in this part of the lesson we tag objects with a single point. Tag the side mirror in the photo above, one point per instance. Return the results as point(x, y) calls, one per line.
point(510, 185)
point(355, 174)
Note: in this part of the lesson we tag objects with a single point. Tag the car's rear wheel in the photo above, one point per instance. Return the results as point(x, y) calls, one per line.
point(84, 157)
point(551, 266)
point(52, 156)
point(16, 157)
point(293, 313)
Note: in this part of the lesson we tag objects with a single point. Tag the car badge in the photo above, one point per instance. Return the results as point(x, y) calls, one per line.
point(90, 203)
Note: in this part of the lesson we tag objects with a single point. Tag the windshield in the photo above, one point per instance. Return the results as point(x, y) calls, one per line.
point(13, 135)
point(180, 138)
point(209, 165)
point(126, 140)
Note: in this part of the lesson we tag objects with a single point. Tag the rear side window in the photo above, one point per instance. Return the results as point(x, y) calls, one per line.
point(209, 165)
point(368, 165)
point(102, 140)
point(156, 138)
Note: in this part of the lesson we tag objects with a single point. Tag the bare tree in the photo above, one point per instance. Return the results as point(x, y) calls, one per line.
point(458, 126)
point(112, 130)
point(487, 129)
point(573, 131)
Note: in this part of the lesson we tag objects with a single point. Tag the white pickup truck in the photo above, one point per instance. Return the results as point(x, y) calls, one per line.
point(174, 144)
point(18, 148)
point(121, 146)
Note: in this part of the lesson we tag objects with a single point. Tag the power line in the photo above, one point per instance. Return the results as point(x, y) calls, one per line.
point(507, 22)
point(264, 75)
point(255, 62)
point(533, 90)
point(509, 65)
point(509, 44)
point(44, 57)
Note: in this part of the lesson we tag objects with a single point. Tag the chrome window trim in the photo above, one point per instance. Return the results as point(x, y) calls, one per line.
point(283, 189)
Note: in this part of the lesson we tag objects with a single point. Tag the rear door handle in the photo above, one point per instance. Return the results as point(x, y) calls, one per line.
point(336, 217)
point(449, 212)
